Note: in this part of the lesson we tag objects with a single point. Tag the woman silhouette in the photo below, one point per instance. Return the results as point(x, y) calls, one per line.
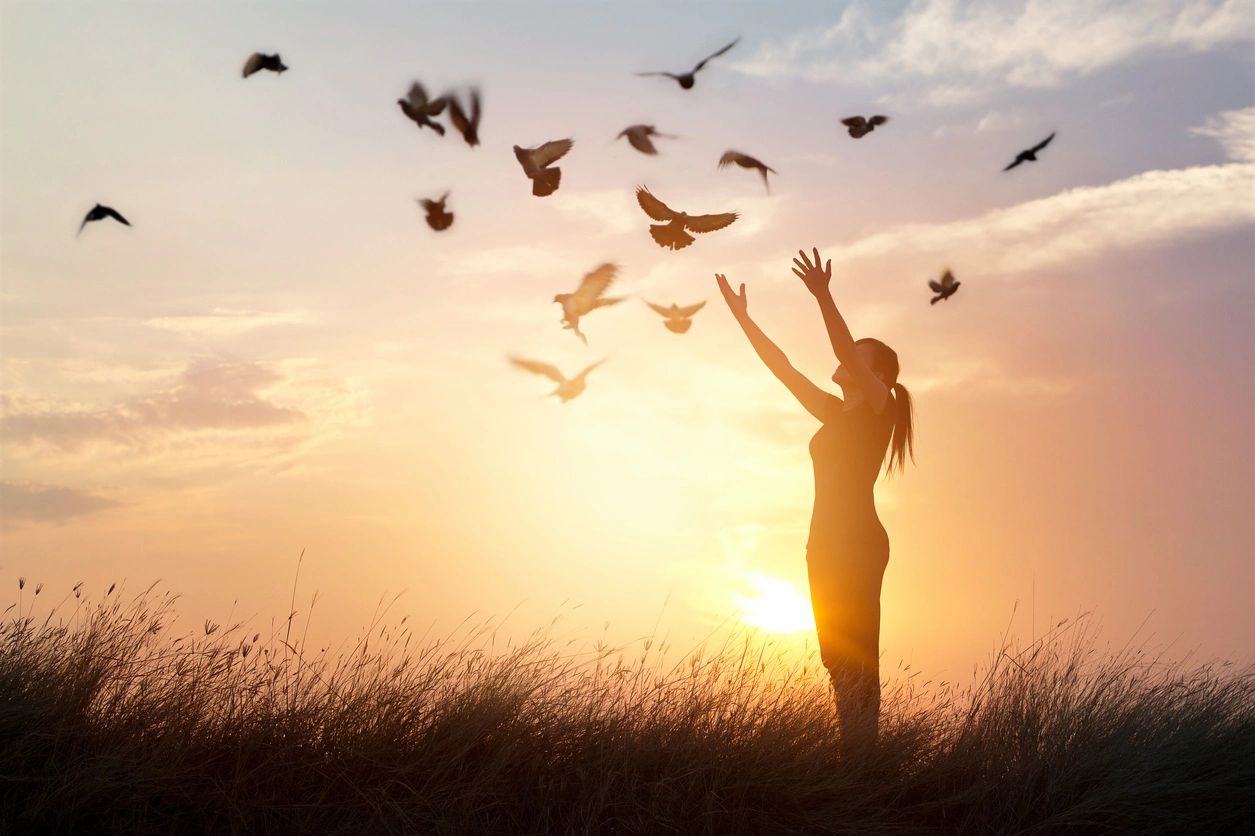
point(848, 548)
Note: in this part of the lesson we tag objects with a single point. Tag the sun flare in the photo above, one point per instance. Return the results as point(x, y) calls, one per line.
point(775, 605)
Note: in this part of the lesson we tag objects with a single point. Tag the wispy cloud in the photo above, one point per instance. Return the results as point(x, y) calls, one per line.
point(228, 322)
point(207, 396)
point(37, 503)
point(954, 51)
point(1235, 130)
point(1151, 208)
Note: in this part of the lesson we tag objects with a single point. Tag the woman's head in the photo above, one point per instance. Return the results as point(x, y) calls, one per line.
point(880, 358)
point(883, 361)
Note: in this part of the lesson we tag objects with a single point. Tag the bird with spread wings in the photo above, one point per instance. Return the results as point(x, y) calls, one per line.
point(675, 318)
point(538, 164)
point(674, 227)
point(567, 388)
point(588, 297)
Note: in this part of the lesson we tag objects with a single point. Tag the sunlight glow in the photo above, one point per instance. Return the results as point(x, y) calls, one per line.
point(775, 605)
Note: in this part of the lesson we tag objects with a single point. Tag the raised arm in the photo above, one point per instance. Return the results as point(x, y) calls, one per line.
point(815, 400)
point(816, 278)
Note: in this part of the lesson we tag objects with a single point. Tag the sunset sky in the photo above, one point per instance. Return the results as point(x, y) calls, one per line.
point(280, 355)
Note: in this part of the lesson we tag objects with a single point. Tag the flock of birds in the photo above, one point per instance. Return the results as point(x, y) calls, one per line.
point(671, 228)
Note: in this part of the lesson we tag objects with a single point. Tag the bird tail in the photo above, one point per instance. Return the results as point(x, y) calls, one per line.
point(935, 299)
point(669, 235)
point(546, 181)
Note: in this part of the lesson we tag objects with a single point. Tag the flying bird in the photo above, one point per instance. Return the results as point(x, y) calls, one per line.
point(638, 137)
point(438, 217)
point(567, 389)
point(945, 288)
point(419, 108)
point(1030, 155)
point(588, 297)
point(746, 161)
point(674, 227)
point(860, 127)
point(466, 125)
point(99, 212)
point(686, 79)
point(677, 319)
point(257, 62)
point(536, 164)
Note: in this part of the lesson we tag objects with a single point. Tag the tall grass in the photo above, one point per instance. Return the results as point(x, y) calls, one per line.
point(108, 724)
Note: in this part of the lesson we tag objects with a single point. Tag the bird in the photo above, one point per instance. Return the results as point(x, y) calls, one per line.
point(588, 297)
point(438, 217)
point(686, 79)
point(945, 288)
point(567, 389)
point(419, 108)
point(258, 61)
point(466, 125)
point(1030, 155)
point(746, 161)
point(675, 226)
point(99, 212)
point(536, 164)
point(639, 137)
point(677, 319)
point(860, 127)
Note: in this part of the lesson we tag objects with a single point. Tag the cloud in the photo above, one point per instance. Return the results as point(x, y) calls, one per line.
point(207, 396)
point(226, 322)
point(1235, 130)
point(955, 51)
point(1147, 209)
point(48, 504)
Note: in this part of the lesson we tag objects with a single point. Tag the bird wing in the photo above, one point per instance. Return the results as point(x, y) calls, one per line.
point(668, 75)
point(935, 286)
point(1018, 160)
point(653, 207)
point(551, 152)
point(947, 279)
point(115, 214)
point(436, 106)
point(659, 309)
point(605, 302)
point(458, 116)
point(594, 284)
point(537, 367)
point(702, 62)
point(640, 141)
point(689, 310)
point(1043, 143)
point(254, 63)
point(709, 223)
point(417, 96)
point(734, 158)
point(584, 373)
point(854, 122)
point(878, 120)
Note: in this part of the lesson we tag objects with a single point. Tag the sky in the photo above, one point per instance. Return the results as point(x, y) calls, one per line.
point(280, 356)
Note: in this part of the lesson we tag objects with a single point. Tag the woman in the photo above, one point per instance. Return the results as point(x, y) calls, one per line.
point(848, 548)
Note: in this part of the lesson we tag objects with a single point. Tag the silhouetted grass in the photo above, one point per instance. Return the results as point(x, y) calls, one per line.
point(107, 725)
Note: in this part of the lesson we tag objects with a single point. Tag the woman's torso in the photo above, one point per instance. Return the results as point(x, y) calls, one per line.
point(847, 453)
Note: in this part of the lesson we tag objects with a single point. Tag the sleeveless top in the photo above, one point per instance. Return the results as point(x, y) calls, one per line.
point(847, 453)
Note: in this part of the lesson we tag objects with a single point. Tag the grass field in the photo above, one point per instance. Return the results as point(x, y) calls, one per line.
point(110, 724)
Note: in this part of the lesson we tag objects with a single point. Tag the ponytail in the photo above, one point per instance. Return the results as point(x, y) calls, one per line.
point(902, 442)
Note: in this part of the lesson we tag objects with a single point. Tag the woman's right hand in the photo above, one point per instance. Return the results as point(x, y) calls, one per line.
point(737, 302)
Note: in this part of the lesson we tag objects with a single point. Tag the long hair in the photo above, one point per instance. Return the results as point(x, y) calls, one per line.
point(902, 442)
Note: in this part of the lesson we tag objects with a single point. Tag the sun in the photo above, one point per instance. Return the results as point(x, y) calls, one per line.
point(775, 605)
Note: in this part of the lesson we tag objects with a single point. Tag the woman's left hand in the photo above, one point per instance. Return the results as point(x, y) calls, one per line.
point(814, 276)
